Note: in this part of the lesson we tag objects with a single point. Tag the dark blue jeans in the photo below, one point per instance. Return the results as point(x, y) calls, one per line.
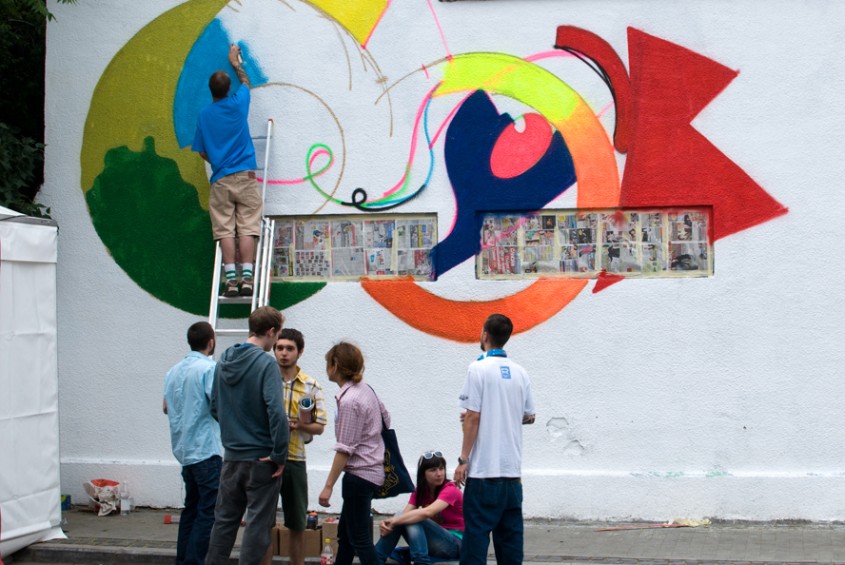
point(425, 539)
point(354, 530)
point(493, 506)
point(201, 482)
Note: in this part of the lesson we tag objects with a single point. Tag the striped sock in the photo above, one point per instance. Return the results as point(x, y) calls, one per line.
point(246, 270)
point(231, 273)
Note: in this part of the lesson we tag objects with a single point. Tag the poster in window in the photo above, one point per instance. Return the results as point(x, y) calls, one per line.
point(378, 262)
point(311, 264)
point(311, 235)
point(379, 233)
point(346, 233)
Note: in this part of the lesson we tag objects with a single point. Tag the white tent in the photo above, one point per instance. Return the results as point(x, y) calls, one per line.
point(29, 404)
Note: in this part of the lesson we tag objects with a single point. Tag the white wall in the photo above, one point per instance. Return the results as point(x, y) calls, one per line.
point(656, 398)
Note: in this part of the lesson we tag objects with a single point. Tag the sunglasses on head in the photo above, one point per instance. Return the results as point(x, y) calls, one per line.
point(430, 454)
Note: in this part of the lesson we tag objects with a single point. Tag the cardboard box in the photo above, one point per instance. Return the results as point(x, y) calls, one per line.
point(312, 545)
point(274, 538)
point(330, 533)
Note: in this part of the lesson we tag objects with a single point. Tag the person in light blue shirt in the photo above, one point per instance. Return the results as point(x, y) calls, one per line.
point(195, 440)
point(235, 204)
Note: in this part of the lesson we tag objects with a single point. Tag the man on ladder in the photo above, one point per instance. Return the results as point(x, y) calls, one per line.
point(235, 202)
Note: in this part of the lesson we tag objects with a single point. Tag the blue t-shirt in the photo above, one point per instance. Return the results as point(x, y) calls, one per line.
point(194, 434)
point(223, 135)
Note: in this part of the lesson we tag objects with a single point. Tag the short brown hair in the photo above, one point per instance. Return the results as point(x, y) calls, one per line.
point(219, 83)
point(348, 360)
point(199, 335)
point(499, 328)
point(265, 318)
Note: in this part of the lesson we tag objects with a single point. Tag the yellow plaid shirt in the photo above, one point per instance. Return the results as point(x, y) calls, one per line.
point(299, 386)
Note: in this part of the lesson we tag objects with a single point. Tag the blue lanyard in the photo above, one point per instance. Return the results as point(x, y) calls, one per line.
point(493, 353)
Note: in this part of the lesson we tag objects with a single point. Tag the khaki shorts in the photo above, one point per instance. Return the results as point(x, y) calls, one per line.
point(235, 204)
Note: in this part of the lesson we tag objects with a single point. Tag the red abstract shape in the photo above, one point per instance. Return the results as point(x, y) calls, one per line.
point(515, 152)
point(669, 162)
point(586, 43)
point(605, 279)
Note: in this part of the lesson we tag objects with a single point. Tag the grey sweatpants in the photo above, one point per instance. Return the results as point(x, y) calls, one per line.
point(244, 486)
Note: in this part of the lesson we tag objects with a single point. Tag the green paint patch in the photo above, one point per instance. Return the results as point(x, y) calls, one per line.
point(284, 295)
point(151, 221)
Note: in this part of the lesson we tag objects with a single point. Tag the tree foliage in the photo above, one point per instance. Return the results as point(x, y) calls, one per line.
point(22, 30)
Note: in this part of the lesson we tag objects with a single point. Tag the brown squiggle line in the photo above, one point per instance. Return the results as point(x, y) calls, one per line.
point(409, 75)
point(339, 128)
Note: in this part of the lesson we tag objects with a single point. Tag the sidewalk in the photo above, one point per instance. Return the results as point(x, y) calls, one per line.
point(143, 538)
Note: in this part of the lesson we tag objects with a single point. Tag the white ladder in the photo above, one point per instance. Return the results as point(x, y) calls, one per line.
point(263, 257)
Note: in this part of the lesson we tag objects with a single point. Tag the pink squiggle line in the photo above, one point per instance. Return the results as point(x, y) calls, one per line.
point(548, 55)
point(440, 29)
point(413, 149)
point(562, 53)
point(378, 21)
point(303, 179)
point(447, 120)
point(605, 109)
point(425, 70)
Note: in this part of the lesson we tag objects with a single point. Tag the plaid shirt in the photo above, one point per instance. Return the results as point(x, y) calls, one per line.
point(299, 386)
point(358, 431)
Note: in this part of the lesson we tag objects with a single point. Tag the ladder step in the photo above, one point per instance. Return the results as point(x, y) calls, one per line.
point(235, 300)
point(225, 331)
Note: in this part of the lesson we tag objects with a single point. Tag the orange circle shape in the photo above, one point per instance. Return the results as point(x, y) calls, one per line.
point(462, 321)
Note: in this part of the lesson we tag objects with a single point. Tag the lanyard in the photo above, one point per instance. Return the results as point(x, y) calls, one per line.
point(493, 353)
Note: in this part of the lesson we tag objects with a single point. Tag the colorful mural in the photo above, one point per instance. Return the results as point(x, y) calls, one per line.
point(147, 194)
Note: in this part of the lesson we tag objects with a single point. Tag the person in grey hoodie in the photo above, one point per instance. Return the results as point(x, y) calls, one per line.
point(247, 401)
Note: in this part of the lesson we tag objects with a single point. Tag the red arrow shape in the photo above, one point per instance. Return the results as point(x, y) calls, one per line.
point(669, 162)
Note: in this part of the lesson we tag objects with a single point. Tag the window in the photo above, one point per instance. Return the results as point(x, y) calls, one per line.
point(579, 243)
point(351, 247)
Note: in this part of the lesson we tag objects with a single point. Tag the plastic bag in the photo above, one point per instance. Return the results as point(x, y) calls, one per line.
point(103, 494)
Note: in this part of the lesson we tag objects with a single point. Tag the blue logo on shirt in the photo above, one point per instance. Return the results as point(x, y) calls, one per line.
point(506, 372)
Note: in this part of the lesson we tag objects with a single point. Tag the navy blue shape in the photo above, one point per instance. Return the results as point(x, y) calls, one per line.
point(469, 143)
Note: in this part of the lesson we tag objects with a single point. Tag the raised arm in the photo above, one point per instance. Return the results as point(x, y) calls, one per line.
point(235, 61)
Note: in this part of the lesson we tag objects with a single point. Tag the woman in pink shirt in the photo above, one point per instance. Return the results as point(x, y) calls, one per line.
point(359, 453)
point(432, 522)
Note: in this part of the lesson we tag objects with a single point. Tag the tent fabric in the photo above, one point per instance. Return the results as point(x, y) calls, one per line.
point(29, 423)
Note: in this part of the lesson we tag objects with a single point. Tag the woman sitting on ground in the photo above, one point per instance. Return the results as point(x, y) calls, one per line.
point(433, 521)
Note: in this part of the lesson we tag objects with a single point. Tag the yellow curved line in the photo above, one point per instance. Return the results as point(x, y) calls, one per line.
point(586, 139)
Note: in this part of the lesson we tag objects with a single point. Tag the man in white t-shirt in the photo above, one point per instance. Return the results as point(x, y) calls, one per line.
point(491, 455)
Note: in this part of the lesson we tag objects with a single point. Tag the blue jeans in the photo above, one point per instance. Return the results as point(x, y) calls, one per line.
point(493, 506)
point(201, 482)
point(354, 530)
point(244, 486)
point(425, 539)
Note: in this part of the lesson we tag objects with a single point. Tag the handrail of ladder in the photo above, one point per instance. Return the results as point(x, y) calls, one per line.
point(215, 286)
point(263, 237)
point(265, 287)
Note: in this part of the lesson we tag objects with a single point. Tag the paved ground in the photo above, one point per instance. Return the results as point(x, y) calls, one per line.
point(142, 537)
